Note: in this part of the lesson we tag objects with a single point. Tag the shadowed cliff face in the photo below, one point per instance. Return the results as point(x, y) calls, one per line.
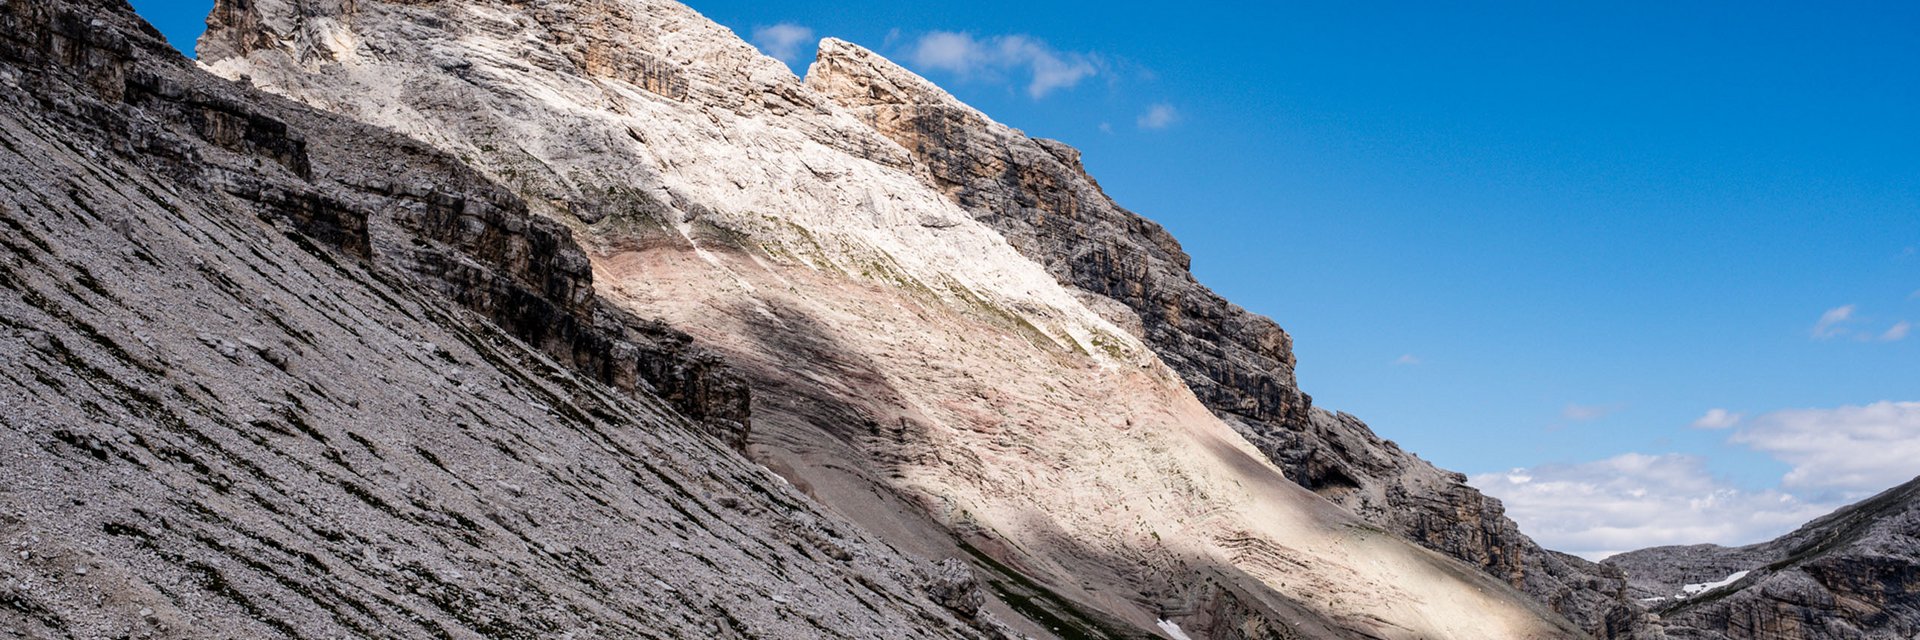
point(269, 373)
point(1238, 363)
point(911, 367)
point(1851, 574)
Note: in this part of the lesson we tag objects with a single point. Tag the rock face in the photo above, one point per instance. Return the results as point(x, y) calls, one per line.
point(1852, 574)
point(911, 367)
point(1239, 364)
point(272, 373)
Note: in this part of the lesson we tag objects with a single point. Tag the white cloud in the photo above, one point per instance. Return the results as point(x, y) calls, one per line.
point(1717, 419)
point(1586, 413)
point(1047, 69)
point(950, 51)
point(1634, 501)
point(1851, 451)
point(1832, 323)
point(1407, 360)
point(1897, 332)
point(783, 41)
point(1159, 116)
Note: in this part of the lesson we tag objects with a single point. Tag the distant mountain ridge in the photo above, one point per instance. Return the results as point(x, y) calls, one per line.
point(1854, 573)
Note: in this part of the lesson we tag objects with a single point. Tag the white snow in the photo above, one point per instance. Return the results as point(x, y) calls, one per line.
point(1173, 630)
point(1692, 590)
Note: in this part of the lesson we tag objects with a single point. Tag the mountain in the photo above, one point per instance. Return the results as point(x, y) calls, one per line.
point(582, 318)
point(1852, 574)
point(918, 363)
point(273, 373)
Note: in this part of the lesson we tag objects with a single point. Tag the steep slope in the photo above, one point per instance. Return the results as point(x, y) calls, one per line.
point(266, 373)
point(1240, 364)
point(910, 368)
point(1852, 574)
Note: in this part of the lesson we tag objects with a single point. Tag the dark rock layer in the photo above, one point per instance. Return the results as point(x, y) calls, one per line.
point(269, 373)
point(464, 237)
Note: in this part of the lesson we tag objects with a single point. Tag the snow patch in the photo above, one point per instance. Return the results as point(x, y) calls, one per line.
point(1173, 630)
point(1692, 590)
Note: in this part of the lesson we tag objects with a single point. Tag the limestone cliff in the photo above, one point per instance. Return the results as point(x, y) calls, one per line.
point(1240, 364)
point(911, 367)
point(269, 373)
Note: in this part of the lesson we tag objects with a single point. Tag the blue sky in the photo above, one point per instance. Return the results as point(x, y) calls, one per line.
point(1548, 236)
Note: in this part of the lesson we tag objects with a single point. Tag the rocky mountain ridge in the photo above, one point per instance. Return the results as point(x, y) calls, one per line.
point(1852, 574)
point(273, 372)
point(958, 409)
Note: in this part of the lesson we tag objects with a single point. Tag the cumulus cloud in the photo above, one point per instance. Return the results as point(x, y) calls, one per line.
point(1633, 501)
point(1833, 323)
point(1897, 332)
point(1159, 116)
point(784, 41)
point(1586, 413)
point(1717, 419)
point(1850, 451)
point(998, 57)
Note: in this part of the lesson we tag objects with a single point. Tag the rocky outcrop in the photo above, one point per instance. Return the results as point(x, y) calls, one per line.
point(1240, 364)
point(910, 367)
point(269, 373)
point(1038, 195)
point(457, 233)
point(1853, 574)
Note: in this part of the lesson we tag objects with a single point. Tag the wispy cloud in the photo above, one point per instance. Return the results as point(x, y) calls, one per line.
point(1897, 332)
point(785, 41)
point(1587, 413)
point(1633, 501)
point(1832, 324)
point(1408, 360)
point(1159, 116)
point(1852, 450)
point(1046, 69)
point(1717, 419)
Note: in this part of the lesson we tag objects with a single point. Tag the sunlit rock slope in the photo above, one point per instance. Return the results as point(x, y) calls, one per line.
point(911, 367)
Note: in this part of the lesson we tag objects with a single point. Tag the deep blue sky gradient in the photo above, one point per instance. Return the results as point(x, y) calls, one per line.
point(1642, 206)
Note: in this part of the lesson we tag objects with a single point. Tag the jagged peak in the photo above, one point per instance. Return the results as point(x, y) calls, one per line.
point(857, 78)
